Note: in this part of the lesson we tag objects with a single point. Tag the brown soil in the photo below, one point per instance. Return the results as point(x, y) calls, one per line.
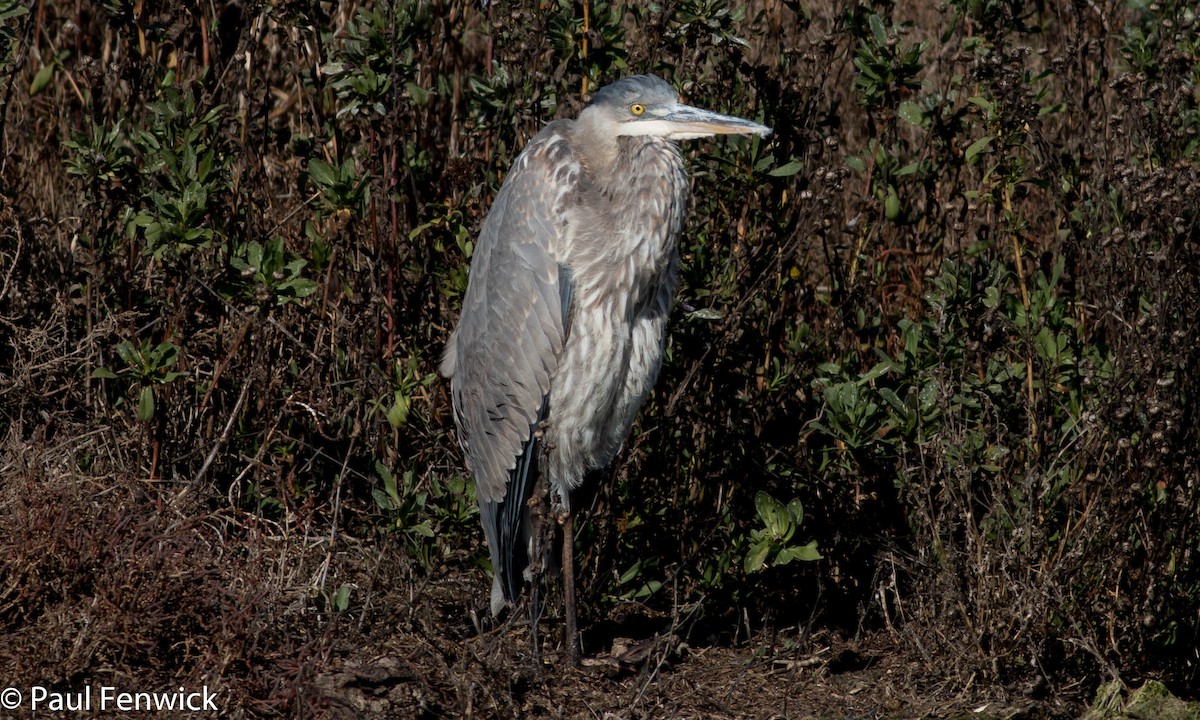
point(107, 587)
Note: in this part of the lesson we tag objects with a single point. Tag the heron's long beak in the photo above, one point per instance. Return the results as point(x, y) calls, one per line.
point(684, 122)
point(688, 121)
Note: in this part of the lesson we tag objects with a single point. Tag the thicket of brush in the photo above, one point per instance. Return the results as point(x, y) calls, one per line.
point(942, 324)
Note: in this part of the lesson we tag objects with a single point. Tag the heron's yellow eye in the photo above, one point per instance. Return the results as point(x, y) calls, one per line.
point(637, 108)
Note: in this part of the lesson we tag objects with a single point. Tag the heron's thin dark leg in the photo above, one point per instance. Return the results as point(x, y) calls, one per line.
point(568, 581)
point(535, 615)
point(539, 507)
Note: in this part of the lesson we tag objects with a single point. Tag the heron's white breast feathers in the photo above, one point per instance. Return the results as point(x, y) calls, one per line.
point(621, 246)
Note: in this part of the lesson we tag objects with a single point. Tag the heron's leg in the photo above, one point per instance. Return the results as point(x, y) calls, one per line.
point(535, 604)
point(538, 509)
point(568, 581)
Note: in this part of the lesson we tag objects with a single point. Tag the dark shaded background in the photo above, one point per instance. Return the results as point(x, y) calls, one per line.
point(948, 309)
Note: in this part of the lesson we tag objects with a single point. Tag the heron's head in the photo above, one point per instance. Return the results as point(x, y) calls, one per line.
point(648, 105)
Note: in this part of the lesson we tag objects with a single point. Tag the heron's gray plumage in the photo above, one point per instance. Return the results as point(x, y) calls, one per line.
point(564, 319)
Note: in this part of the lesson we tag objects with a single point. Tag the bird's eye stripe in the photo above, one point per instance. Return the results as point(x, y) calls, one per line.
point(637, 108)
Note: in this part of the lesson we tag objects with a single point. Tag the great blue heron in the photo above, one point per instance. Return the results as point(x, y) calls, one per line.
point(563, 324)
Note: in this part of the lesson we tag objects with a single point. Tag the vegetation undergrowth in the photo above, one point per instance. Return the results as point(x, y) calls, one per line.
point(933, 372)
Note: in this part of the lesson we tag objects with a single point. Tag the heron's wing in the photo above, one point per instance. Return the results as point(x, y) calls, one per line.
point(508, 342)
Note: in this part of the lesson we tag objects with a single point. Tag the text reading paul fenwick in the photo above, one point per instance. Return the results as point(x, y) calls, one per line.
point(104, 698)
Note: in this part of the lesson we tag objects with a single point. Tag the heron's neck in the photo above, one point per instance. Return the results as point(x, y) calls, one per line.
point(596, 144)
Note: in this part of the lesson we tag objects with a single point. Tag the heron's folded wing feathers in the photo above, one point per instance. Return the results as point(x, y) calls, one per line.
point(512, 328)
point(507, 345)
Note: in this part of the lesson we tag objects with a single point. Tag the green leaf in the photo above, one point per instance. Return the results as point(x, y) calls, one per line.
point(13, 12)
point(766, 161)
point(382, 501)
point(421, 529)
point(389, 484)
point(758, 556)
point(165, 354)
point(341, 598)
point(855, 163)
point(254, 254)
point(129, 354)
point(877, 29)
point(893, 399)
point(397, 415)
point(104, 373)
point(42, 79)
point(796, 511)
point(773, 514)
point(806, 553)
point(891, 205)
point(1044, 342)
point(300, 287)
point(881, 368)
point(911, 112)
point(983, 103)
point(977, 147)
point(867, 70)
point(154, 231)
point(788, 170)
point(706, 314)
point(631, 574)
point(321, 172)
point(1048, 109)
point(145, 409)
point(842, 397)
point(419, 94)
point(647, 589)
point(928, 397)
point(412, 234)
